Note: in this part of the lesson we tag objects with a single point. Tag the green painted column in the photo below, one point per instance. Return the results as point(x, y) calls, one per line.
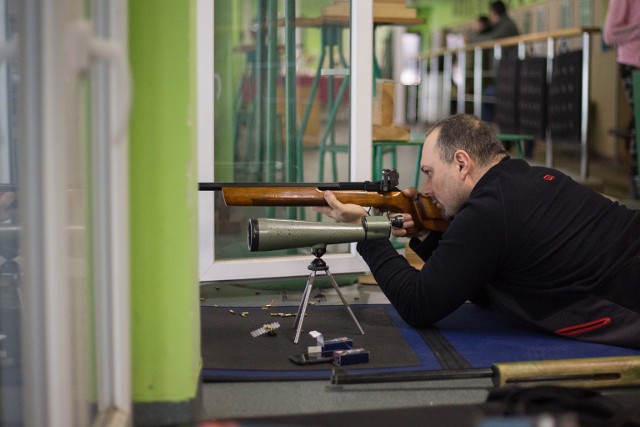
point(165, 320)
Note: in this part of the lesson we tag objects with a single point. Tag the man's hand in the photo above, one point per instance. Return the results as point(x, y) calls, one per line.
point(342, 212)
point(408, 220)
point(352, 213)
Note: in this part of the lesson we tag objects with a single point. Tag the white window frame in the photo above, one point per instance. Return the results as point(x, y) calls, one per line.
point(61, 47)
point(360, 154)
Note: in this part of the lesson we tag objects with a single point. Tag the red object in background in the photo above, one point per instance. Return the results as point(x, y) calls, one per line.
point(323, 90)
point(248, 88)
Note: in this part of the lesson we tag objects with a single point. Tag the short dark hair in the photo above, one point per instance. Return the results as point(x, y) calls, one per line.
point(469, 133)
point(499, 8)
point(484, 19)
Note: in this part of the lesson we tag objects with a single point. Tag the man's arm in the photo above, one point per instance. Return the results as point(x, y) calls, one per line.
point(341, 212)
point(425, 247)
point(351, 213)
point(466, 259)
point(463, 263)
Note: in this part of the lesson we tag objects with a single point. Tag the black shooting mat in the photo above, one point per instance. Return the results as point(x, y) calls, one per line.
point(471, 336)
point(229, 351)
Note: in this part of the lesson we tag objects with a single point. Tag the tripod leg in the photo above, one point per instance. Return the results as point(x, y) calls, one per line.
point(344, 301)
point(302, 309)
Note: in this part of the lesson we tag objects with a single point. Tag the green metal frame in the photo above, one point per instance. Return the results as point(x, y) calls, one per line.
point(380, 148)
point(331, 40)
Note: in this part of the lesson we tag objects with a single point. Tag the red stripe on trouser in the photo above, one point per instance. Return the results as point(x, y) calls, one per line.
point(583, 327)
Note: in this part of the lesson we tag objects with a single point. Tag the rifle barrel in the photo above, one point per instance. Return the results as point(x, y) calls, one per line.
point(602, 372)
point(389, 182)
point(364, 186)
point(219, 186)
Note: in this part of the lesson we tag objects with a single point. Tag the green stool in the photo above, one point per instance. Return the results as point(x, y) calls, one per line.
point(381, 148)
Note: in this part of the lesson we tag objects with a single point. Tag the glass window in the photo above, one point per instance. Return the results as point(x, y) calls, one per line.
point(281, 108)
point(282, 102)
point(10, 274)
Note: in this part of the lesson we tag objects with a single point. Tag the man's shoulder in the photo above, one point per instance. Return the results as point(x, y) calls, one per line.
point(516, 176)
point(512, 171)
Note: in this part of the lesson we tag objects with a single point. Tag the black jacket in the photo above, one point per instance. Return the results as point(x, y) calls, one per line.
point(544, 249)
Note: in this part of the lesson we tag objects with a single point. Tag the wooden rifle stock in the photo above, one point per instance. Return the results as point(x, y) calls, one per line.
point(423, 212)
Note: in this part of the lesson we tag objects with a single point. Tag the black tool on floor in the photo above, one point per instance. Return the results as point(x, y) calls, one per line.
point(307, 359)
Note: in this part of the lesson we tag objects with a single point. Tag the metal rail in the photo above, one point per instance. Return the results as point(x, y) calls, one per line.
point(440, 100)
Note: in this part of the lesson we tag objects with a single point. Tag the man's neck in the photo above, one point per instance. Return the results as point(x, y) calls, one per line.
point(481, 170)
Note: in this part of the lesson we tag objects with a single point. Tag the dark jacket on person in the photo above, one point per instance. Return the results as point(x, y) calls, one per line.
point(544, 249)
point(505, 27)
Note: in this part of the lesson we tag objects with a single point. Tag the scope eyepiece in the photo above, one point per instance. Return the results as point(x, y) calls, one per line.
point(253, 235)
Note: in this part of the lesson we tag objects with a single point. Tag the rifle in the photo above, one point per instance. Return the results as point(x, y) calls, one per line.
point(383, 195)
point(597, 372)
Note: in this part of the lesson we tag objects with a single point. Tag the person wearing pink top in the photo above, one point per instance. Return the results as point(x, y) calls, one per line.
point(622, 28)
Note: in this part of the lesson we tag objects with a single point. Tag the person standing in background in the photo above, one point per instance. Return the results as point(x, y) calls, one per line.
point(480, 26)
point(622, 28)
point(501, 26)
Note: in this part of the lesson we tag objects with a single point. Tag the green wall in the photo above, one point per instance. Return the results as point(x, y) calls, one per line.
point(439, 14)
point(445, 13)
point(165, 320)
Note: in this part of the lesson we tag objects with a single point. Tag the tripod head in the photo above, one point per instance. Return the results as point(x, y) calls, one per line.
point(318, 263)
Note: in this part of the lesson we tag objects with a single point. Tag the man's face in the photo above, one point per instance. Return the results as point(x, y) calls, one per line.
point(444, 183)
point(493, 17)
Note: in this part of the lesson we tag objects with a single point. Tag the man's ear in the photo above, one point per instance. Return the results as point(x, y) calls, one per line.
point(463, 162)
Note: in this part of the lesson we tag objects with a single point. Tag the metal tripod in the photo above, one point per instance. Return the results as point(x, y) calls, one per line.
point(316, 265)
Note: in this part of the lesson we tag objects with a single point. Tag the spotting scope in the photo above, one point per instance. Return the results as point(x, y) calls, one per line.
point(267, 234)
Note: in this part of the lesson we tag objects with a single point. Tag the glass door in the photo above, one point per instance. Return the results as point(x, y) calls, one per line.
point(278, 95)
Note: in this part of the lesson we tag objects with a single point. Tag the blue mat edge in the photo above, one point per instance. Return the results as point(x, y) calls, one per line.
point(421, 349)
